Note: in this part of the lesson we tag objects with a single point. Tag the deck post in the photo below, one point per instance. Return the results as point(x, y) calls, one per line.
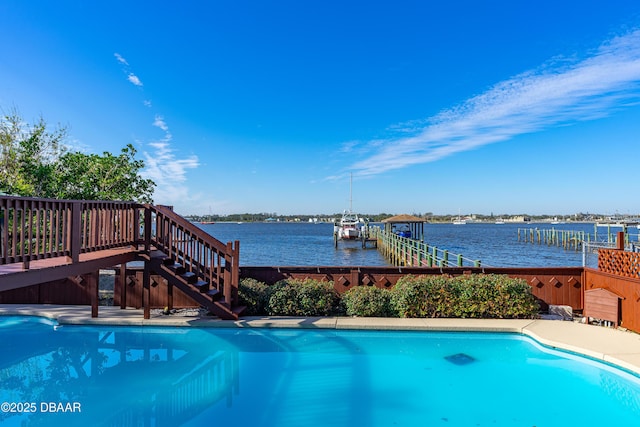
point(620, 241)
point(76, 231)
point(235, 273)
point(355, 276)
point(169, 295)
point(92, 285)
point(147, 229)
point(146, 290)
point(122, 276)
point(227, 278)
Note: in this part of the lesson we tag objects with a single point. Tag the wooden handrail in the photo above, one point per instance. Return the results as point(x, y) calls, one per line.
point(196, 251)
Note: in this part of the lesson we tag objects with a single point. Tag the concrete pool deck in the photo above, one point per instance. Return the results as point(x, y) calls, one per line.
point(614, 346)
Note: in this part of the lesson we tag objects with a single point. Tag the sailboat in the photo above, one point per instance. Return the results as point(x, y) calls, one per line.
point(350, 226)
point(459, 220)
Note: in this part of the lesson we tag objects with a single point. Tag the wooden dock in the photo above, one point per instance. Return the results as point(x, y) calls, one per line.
point(404, 251)
point(568, 239)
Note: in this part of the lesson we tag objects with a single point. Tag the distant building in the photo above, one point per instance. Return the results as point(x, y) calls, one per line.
point(519, 218)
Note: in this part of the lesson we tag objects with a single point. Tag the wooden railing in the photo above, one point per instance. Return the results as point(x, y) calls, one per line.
point(403, 251)
point(197, 251)
point(32, 229)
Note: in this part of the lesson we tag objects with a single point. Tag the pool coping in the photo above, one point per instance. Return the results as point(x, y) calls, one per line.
point(614, 346)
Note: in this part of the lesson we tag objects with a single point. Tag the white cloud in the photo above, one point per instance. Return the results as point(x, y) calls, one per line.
point(134, 79)
point(168, 172)
point(120, 59)
point(161, 163)
point(559, 93)
point(160, 123)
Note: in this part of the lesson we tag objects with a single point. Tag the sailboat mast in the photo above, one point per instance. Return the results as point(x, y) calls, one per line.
point(351, 193)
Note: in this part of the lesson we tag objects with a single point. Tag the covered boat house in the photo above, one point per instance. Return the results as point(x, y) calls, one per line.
point(405, 225)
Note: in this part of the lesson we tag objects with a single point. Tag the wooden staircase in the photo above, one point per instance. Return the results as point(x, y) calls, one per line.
point(44, 240)
point(190, 259)
point(191, 284)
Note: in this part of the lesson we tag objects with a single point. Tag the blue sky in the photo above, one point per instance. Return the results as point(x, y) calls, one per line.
point(270, 106)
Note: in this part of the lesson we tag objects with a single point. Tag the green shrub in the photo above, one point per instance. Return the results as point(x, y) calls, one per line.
point(497, 296)
point(253, 295)
point(422, 296)
point(367, 301)
point(294, 297)
point(466, 296)
point(475, 296)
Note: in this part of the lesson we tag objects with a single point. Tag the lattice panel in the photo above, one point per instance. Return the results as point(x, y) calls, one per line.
point(621, 263)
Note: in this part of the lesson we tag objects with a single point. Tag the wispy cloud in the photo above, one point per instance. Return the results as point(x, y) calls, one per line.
point(168, 172)
point(160, 123)
point(561, 92)
point(131, 77)
point(134, 79)
point(120, 59)
point(162, 164)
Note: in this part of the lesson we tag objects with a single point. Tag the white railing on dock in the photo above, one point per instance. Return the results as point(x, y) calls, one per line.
point(416, 253)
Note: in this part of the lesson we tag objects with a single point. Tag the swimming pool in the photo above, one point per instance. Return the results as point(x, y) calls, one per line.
point(81, 375)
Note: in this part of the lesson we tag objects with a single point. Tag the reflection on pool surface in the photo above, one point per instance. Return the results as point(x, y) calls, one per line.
point(284, 377)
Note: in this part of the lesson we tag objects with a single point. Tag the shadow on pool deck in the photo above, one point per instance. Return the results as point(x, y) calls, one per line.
point(614, 346)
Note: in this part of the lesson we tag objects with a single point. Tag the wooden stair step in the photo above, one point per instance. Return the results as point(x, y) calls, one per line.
point(178, 269)
point(190, 277)
point(157, 254)
point(202, 286)
point(214, 294)
point(239, 309)
point(168, 261)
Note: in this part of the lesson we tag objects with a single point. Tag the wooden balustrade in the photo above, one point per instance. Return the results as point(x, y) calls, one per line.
point(198, 252)
point(33, 229)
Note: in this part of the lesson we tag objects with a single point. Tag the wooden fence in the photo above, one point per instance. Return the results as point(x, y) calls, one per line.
point(557, 285)
point(73, 290)
point(619, 272)
point(627, 288)
point(619, 262)
point(128, 291)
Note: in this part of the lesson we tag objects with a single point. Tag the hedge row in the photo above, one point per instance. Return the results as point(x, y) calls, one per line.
point(473, 296)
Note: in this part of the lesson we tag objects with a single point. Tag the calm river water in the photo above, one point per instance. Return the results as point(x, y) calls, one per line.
point(304, 244)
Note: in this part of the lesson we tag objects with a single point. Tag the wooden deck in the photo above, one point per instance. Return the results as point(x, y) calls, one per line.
point(13, 276)
point(43, 241)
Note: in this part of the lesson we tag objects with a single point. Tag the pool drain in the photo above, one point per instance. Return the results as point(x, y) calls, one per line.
point(460, 359)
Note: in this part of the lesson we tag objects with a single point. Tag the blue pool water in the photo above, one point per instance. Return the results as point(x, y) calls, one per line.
point(151, 376)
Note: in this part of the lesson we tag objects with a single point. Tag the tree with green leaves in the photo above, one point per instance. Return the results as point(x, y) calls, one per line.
point(35, 162)
point(28, 155)
point(106, 177)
